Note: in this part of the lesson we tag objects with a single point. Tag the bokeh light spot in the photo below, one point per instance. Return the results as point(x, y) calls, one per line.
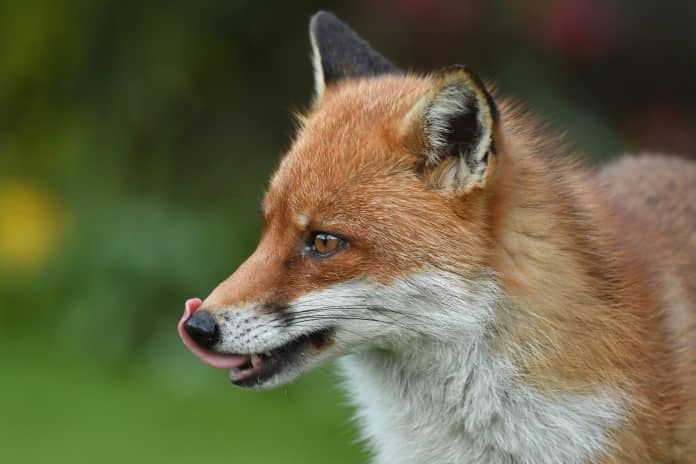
point(31, 225)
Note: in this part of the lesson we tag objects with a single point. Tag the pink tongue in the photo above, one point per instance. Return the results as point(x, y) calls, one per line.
point(221, 361)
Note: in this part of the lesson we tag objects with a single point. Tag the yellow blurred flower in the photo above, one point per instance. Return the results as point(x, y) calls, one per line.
point(31, 225)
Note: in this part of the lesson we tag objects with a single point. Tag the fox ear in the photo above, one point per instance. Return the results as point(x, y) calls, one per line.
point(453, 126)
point(339, 53)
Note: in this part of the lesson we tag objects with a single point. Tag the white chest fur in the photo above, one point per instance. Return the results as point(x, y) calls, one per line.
point(441, 406)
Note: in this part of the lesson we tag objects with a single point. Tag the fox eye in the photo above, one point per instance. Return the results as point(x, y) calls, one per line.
point(324, 244)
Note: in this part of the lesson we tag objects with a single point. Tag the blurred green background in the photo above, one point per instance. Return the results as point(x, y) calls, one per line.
point(135, 143)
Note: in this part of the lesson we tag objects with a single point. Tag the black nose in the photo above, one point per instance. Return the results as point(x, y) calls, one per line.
point(203, 329)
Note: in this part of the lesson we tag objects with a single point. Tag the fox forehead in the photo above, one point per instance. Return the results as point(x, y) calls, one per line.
point(353, 137)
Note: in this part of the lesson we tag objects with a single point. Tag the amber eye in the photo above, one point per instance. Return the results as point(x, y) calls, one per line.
point(325, 244)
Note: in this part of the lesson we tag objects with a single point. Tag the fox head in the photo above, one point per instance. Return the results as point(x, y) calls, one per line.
point(377, 223)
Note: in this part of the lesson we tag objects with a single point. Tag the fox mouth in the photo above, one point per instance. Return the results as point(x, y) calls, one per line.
point(256, 369)
point(260, 367)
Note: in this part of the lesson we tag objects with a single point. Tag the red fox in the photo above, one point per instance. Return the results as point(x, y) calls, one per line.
point(491, 300)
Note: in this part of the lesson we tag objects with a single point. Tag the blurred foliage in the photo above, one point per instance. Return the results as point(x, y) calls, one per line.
point(135, 143)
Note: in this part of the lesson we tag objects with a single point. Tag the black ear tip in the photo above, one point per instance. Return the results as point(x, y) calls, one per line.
point(323, 15)
point(322, 19)
point(343, 53)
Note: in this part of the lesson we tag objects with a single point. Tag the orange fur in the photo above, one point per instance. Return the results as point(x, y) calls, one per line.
point(598, 270)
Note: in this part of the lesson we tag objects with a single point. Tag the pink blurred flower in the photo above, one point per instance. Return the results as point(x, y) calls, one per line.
point(577, 29)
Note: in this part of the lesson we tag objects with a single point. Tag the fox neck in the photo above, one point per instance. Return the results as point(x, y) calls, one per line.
point(542, 382)
point(572, 316)
point(444, 403)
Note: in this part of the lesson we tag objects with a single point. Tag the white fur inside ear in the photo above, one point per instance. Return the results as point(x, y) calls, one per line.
point(453, 100)
point(318, 68)
point(448, 104)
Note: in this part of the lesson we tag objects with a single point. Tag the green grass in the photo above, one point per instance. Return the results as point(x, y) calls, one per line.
point(56, 408)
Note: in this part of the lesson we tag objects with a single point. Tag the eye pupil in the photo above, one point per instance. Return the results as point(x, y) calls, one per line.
point(325, 243)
